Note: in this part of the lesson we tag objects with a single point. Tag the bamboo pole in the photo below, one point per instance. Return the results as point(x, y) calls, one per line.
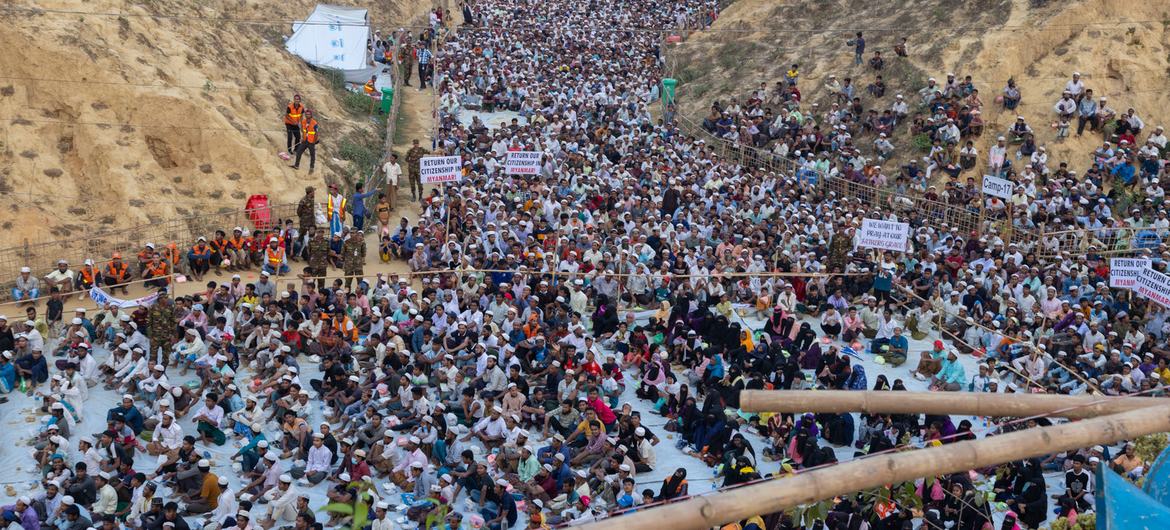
point(824, 483)
point(964, 403)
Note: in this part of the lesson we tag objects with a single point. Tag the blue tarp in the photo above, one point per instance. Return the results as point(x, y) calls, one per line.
point(1123, 506)
point(1158, 479)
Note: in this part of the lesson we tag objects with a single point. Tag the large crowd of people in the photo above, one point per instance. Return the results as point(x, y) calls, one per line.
point(570, 346)
point(927, 141)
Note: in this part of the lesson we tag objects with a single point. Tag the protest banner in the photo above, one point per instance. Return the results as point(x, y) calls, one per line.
point(440, 169)
point(1123, 271)
point(998, 187)
point(1153, 285)
point(101, 298)
point(884, 235)
point(522, 163)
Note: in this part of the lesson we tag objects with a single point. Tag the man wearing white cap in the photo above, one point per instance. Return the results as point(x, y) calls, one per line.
point(167, 436)
point(27, 286)
point(22, 512)
point(190, 348)
point(318, 464)
point(381, 519)
point(107, 496)
point(7, 374)
point(282, 504)
point(243, 519)
point(227, 505)
point(61, 277)
point(206, 497)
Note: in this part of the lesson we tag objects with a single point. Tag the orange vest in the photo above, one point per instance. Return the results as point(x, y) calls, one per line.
point(369, 88)
point(155, 270)
point(87, 276)
point(275, 257)
point(237, 243)
point(170, 255)
point(116, 271)
point(339, 325)
point(292, 115)
point(219, 246)
point(309, 130)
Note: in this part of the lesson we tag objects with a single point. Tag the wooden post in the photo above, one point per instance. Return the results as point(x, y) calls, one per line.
point(777, 495)
point(964, 403)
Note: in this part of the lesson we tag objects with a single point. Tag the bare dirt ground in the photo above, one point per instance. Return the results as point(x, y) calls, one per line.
point(121, 113)
point(1121, 48)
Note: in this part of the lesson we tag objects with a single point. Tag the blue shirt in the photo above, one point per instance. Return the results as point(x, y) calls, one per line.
point(359, 204)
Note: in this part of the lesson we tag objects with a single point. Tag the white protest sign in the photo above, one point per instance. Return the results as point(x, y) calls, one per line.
point(998, 187)
point(1153, 285)
point(439, 169)
point(1123, 271)
point(885, 235)
point(522, 163)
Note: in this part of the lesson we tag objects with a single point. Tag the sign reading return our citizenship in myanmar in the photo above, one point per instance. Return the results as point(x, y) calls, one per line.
point(884, 235)
point(998, 187)
point(1123, 271)
point(1153, 285)
point(522, 163)
point(439, 169)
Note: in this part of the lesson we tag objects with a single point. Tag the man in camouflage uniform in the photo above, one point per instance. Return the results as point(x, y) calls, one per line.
point(306, 211)
point(318, 257)
point(413, 157)
point(406, 59)
point(839, 248)
point(161, 327)
point(353, 253)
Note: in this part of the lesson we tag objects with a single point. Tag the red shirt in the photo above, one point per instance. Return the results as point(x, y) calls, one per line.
point(604, 413)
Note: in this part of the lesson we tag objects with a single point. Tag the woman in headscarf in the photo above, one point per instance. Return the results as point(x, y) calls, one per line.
point(811, 358)
point(974, 513)
point(805, 338)
point(857, 380)
point(674, 486)
point(738, 448)
point(653, 375)
point(780, 324)
point(1009, 521)
point(605, 318)
point(1031, 500)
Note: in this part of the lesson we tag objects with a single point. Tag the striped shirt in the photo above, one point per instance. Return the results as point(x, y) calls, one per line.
point(424, 56)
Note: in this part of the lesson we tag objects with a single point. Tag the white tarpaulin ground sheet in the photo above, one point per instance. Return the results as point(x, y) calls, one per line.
point(22, 420)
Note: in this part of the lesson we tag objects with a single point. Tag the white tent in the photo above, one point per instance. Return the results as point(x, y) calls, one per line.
point(335, 37)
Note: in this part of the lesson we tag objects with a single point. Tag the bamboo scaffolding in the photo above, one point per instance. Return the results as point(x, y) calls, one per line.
point(778, 495)
point(963, 403)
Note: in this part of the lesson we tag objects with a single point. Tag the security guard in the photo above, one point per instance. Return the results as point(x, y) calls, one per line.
point(293, 114)
point(308, 141)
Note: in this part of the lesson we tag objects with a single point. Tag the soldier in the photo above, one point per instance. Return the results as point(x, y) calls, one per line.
point(318, 257)
point(353, 253)
point(406, 59)
point(161, 327)
point(839, 248)
point(413, 157)
point(306, 210)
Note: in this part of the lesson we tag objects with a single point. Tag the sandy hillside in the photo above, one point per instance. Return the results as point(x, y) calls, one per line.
point(119, 116)
point(1122, 49)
